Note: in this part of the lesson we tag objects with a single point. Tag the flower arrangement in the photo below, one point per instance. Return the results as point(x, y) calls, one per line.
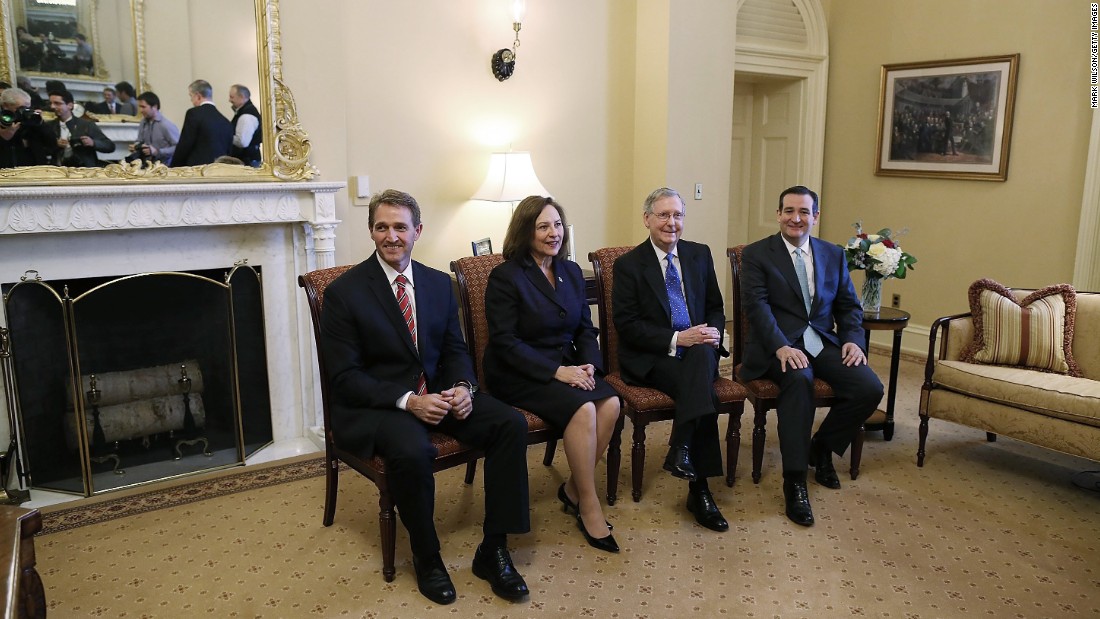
point(877, 254)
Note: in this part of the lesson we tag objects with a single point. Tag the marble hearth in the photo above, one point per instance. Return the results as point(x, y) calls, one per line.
point(288, 228)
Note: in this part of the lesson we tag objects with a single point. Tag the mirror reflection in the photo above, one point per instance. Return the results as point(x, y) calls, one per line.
point(163, 47)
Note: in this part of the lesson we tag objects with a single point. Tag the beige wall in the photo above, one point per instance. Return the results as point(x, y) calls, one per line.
point(402, 92)
point(614, 98)
point(1021, 232)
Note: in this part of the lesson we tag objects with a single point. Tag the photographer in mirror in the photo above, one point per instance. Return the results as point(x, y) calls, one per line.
point(22, 139)
point(157, 136)
point(77, 140)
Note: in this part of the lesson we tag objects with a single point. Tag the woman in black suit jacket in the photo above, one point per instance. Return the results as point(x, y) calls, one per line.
point(543, 355)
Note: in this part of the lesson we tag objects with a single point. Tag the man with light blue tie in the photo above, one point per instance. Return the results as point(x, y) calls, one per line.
point(805, 320)
point(667, 309)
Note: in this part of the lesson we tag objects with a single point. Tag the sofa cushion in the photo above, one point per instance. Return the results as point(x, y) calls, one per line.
point(1034, 332)
point(1065, 397)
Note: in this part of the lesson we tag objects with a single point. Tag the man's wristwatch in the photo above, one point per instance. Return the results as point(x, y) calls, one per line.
point(465, 383)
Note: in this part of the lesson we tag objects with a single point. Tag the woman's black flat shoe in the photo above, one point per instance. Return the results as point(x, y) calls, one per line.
point(568, 506)
point(606, 544)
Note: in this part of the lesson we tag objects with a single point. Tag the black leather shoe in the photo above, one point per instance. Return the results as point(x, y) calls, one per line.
point(798, 503)
point(569, 507)
point(701, 504)
point(496, 567)
point(678, 462)
point(606, 544)
point(821, 458)
point(433, 581)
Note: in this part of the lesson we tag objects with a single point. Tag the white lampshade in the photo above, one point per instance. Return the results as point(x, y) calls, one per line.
point(511, 178)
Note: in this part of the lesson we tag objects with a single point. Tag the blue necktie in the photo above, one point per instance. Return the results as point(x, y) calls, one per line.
point(810, 337)
point(680, 318)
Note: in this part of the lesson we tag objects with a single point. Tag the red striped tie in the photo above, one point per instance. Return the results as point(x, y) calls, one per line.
point(405, 306)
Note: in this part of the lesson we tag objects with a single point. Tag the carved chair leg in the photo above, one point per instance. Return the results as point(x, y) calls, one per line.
point(551, 446)
point(733, 443)
point(759, 434)
point(637, 460)
point(387, 528)
point(471, 469)
point(614, 459)
point(923, 433)
point(332, 480)
point(857, 451)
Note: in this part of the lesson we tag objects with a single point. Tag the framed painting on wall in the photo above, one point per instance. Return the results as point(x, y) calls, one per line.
point(947, 118)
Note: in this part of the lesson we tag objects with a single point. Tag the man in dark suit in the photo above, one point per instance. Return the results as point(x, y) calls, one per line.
point(667, 308)
point(399, 368)
point(76, 140)
point(794, 290)
point(206, 134)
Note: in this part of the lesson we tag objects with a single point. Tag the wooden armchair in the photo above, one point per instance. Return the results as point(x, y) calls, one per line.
point(762, 393)
point(472, 274)
point(642, 404)
point(451, 452)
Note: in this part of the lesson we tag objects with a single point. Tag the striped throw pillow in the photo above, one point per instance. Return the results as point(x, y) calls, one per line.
point(1034, 332)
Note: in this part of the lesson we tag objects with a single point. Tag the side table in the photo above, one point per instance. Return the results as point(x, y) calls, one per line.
point(886, 319)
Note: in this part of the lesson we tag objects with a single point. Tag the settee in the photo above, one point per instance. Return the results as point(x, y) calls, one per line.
point(1050, 408)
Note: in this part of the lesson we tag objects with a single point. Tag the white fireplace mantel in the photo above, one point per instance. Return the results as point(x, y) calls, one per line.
point(49, 209)
point(104, 230)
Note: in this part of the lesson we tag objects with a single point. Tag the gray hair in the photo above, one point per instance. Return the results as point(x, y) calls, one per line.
point(241, 90)
point(393, 197)
point(663, 192)
point(15, 96)
point(201, 87)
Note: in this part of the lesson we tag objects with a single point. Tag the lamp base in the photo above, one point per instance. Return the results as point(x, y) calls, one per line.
point(503, 64)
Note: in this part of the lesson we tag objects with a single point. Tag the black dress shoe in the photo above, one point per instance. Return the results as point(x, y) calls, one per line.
point(432, 579)
point(798, 503)
point(821, 458)
point(678, 462)
point(606, 544)
point(569, 507)
point(701, 504)
point(496, 567)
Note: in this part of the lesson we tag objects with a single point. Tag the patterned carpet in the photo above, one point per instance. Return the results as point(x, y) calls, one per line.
point(983, 529)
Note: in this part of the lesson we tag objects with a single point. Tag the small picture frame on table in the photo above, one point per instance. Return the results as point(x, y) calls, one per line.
point(482, 247)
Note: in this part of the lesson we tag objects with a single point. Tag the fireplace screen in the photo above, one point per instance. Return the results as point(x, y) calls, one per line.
point(120, 381)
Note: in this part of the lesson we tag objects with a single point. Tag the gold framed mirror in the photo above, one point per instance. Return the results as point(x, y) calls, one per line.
point(172, 42)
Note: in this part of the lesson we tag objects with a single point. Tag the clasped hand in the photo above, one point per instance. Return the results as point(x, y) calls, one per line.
point(699, 334)
point(431, 408)
point(579, 376)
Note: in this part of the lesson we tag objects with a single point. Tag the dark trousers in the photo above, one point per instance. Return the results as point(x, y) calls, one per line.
point(493, 427)
point(858, 391)
point(689, 381)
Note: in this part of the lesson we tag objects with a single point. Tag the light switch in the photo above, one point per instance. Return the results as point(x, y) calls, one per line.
point(698, 191)
point(362, 186)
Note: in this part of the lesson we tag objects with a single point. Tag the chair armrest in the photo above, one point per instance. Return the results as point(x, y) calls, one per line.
point(957, 330)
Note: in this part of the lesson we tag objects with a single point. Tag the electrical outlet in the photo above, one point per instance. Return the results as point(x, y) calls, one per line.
point(896, 302)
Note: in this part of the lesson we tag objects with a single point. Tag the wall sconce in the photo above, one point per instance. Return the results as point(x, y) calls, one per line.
point(511, 178)
point(504, 61)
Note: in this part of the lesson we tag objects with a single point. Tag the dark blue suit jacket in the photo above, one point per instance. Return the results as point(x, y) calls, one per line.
point(772, 301)
point(205, 136)
point(534, 328)
point(369, 354)
point(640, 310)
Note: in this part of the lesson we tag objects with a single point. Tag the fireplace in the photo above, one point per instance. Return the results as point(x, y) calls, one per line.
point(168, 372)
point(85, 236)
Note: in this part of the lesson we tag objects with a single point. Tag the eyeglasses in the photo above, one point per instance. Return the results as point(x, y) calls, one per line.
point(677, 215)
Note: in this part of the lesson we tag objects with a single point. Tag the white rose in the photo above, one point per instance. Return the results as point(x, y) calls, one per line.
point(876, 250)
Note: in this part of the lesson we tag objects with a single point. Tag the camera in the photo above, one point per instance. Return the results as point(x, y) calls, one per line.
point(138, 154)
point(23, 115)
